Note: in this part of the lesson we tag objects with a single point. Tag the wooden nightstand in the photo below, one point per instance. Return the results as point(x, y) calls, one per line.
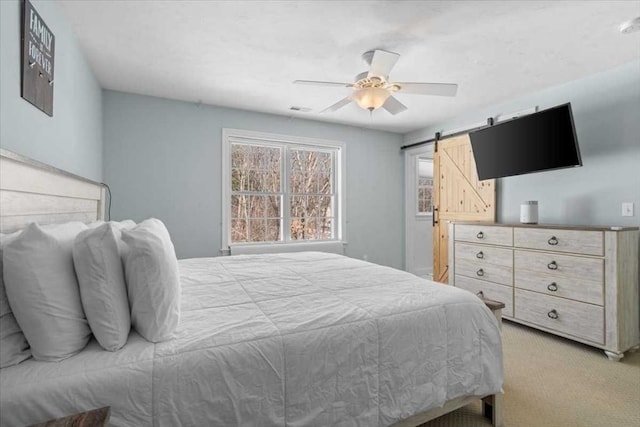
point(496, 308)
point(93, 418)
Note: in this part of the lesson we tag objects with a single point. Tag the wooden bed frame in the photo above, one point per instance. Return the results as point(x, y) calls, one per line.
point(31, 191)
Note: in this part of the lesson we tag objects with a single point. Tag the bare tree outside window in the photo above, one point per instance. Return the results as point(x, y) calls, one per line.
point(310, 194)
point(259, 195)
point(256, 195)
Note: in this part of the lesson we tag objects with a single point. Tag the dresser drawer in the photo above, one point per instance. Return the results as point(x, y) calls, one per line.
point(484, 234)
point(484, 254)
point(560, 286)
point(578, 319)
point(552, 265)
point(489, 290)
point(574, 241)
point(489, 272)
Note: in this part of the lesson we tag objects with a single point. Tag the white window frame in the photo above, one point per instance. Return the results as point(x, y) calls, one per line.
point(230, 136)
point(417, 187)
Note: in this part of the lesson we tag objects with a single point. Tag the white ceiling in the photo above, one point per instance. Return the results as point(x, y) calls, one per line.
point(245, 54)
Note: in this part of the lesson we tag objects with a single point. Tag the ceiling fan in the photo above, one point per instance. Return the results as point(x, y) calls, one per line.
point(372, 89)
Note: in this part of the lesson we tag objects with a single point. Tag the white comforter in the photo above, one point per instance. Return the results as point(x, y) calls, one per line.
point(302, 339)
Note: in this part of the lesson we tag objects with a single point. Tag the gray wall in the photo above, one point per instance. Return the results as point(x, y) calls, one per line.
point(162, 159)
point(606, 109)
point(72, 138)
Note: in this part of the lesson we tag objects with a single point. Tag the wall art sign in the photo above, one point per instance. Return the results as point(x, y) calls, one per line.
point(38, 48)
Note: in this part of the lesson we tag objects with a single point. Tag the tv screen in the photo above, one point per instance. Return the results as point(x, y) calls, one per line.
point(540, 141)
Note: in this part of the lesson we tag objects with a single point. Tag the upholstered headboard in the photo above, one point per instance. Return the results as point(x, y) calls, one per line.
point(31, 191)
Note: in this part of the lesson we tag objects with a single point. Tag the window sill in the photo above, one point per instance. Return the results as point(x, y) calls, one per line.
point(331, 246)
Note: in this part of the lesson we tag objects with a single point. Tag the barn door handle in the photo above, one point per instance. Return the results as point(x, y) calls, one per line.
point(433, 217)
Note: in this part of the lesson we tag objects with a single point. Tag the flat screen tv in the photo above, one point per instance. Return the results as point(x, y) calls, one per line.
point(536, 142)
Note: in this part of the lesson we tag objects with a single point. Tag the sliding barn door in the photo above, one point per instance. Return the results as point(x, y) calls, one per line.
point(458, 196)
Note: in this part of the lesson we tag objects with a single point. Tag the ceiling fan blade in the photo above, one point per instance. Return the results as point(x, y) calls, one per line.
point(438, 89)
point(338, 105)
point(394, 106)
point(319, 83)
point(382, 62)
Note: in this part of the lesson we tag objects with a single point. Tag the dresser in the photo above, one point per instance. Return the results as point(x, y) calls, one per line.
point(580, 283)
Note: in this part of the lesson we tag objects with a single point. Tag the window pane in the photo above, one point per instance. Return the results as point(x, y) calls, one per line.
point(311, 229)
point(300, 228)
point(239, 207)
point(313, 206)
point(310, 172)
point(238, 231)
point(256, 207)
point(297, 171)
point(324, 184)
point(273, 206)
point(254, 176)
point(325, 206)
point(257, 230)
point(239, 155)
point(298, 206)
point(238, 180)
point(273, 229)
point(255, 168)
point(296, 228)
point(272, 180)
point(303, 228)
point(324, 173)
point(325, 228)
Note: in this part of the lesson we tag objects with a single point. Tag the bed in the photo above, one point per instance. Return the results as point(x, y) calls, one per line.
point(297, 339)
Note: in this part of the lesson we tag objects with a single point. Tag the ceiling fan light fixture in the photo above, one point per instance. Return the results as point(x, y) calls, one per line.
point(631, 26)
point(371, 98)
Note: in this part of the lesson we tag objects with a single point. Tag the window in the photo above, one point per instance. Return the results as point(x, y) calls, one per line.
point(280, 189)
point(424, 186)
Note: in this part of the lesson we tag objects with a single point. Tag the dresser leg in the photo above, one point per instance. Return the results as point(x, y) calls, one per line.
point(614, 357)
point(634, 349)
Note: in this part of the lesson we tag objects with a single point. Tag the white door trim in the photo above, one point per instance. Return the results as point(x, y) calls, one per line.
point(410, 166)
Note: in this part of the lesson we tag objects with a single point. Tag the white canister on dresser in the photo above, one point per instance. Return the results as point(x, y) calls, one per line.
point(529, 212)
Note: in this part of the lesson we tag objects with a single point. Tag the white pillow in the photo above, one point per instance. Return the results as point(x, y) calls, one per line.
point(13, 345)
point(102, 287)
point(153, 281)
point(127, 223)
point(43, 291)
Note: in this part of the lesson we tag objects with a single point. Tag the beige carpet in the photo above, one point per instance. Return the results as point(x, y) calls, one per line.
point(554, 382)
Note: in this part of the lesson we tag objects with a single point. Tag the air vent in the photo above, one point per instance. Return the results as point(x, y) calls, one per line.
point(301, 109)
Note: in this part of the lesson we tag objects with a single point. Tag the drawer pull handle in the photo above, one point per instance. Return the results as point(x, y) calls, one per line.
point(553, 314)
point(480, 255)
point(553, 241)
point(480, 235)
point(480, 272)
point(552, 287)
point(480, 294)
point(552, 265)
